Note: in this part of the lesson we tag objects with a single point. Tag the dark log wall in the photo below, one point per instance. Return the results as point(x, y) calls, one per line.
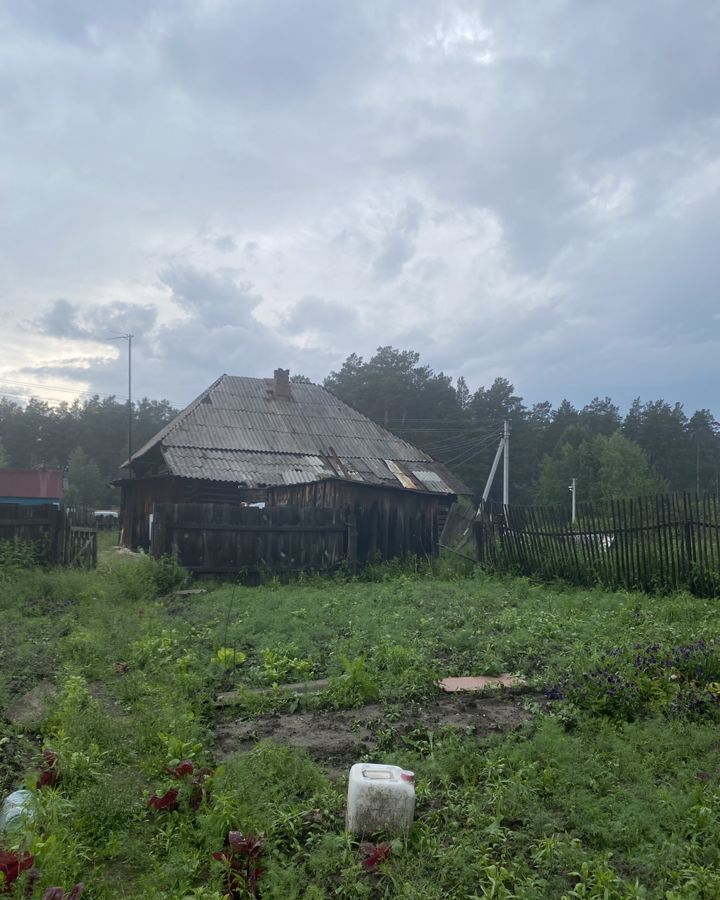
point(390, 523)
point(217, 538)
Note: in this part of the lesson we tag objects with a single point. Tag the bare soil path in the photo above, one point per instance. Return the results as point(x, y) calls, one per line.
point(335, 738)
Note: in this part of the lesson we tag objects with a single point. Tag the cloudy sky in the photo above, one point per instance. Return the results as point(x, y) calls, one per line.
point(526, 188)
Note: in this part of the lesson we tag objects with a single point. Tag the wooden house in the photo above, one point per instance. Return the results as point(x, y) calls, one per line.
point(272, 442)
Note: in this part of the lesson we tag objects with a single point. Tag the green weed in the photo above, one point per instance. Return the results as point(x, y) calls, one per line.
point(579, 803)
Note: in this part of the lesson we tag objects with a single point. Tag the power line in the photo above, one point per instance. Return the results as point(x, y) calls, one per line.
point(446, 432)
point(442, 423)
point(464, 458)
point(475, 450)
point(34, 384)
point(33, 396)
point(447, 437)
point(462, 443)
point(85, 396)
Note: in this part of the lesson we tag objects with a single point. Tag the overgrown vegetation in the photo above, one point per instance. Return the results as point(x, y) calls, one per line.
point(611, 790)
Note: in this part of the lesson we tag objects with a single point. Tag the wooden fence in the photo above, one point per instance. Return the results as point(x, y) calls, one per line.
point(61, 537)
point(657, 543)
point(214, 538)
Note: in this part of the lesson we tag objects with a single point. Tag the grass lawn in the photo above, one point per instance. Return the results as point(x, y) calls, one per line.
point(609, 789)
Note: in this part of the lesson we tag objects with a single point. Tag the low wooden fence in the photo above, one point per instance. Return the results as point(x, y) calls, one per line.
point(58, 536)
point(213, 538)
point(667, 542)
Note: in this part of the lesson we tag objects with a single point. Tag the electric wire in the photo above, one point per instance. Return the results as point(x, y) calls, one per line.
point(80, 395)
point(461, 445)
point(38, 384)
point(460, 461)
point(33, 396)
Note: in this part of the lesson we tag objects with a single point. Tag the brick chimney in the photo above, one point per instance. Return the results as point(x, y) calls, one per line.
point(281, 383)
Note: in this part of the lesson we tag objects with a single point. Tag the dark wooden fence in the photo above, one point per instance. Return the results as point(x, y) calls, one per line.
point(61, 537)
point(653, 543)
point(214, 538)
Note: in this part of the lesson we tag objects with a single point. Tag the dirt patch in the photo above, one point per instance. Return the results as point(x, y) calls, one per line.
point(31, 710)
point(335, 738)
point(110, 705)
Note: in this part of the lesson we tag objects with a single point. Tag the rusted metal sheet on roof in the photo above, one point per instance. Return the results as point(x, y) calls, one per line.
point(404, 479)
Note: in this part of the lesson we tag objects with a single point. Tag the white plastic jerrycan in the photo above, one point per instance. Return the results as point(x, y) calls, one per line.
point(16, 810)
point(380, 798)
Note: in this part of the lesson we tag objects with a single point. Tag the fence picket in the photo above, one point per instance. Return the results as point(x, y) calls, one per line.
point(653, 543)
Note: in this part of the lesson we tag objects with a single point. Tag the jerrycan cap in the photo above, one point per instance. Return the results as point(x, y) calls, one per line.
point(406, 775)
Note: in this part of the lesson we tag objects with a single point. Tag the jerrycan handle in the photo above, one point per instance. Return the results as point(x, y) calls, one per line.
point(379, 774)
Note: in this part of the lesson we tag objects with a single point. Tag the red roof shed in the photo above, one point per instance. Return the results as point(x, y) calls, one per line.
point(31, 485)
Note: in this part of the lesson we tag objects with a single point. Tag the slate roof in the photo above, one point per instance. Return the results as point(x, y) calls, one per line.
point(239, 431)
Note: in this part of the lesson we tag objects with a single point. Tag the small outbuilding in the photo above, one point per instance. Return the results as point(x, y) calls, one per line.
point(32, 487)
point(270, 442)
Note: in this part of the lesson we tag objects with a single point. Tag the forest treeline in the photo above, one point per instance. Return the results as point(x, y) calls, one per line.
point(655, 446)
point(89, 438)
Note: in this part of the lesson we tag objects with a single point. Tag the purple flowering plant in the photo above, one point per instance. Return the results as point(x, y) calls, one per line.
point(634, 682)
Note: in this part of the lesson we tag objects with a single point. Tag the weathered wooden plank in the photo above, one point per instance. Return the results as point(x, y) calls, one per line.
point(28, 522)
point(228, 527)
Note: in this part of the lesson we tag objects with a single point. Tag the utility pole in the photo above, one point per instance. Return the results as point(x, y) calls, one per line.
point(129, 338)
point(506, 463)
point(130, 442)
point(502, 450)
point(491, 476)
point(573, 490)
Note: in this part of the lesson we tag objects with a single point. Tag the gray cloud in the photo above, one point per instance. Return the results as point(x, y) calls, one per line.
point(66, 319)
point(218, 297)
point(217, 333)
point(398, 244)
point(528, 190)
point(280, 56)
point(316, 312)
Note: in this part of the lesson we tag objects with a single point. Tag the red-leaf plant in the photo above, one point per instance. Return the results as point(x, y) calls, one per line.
point(195, 779)
point(241, 859)
point(169, 801)
point(58, 893)
point(373, 855)
point(11, 865)
point(49, 772)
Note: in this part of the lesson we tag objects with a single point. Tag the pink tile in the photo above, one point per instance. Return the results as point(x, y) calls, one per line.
point(479, 682)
